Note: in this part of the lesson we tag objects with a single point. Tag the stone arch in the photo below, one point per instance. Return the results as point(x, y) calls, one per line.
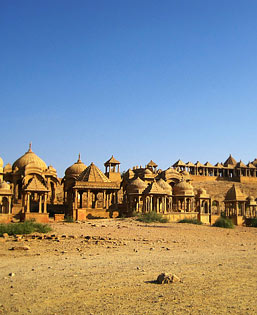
point(4, 207)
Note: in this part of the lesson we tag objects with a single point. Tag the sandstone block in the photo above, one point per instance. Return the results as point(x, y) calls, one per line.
point(167, 278)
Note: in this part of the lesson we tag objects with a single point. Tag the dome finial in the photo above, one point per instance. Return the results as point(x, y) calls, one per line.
point(79, 160)
point(30, 145)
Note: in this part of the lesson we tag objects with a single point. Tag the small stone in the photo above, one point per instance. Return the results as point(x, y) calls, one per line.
point(11, 274)
point(5, 235)
point(167, 278)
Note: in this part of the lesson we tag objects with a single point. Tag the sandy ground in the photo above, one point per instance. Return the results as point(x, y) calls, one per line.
point(115, 274)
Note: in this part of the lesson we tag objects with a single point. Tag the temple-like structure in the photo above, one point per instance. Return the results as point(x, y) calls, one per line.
point(32, 184)
point(29, 189)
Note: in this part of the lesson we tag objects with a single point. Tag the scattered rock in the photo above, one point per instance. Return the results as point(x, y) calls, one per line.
point(167, 278)
point(5, 235)
point(11, 274)
point(20, 248)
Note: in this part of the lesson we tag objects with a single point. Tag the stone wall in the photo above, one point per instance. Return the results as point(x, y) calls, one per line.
point(217, 189)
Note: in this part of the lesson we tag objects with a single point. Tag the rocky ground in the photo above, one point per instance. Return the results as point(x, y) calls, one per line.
point(109, 267)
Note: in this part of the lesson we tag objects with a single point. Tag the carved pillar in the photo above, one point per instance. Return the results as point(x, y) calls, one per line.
point(40, 203)
point(28, 203)
point(81, 200)
point(45, 203)
point(76, 199)
point(16, 191)
point(9, 204)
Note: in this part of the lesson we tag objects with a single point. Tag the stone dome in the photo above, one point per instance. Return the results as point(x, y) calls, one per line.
point(5, 186)
point(76, 168)
point(8, 168)
point(172, 170)
point(165, 186)
point(28, 158)
point(183, 188)
point(137, 184)
point(1, 162)
point(51, 168)
point(129, 174)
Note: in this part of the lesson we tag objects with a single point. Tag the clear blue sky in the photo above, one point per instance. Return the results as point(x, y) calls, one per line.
point(140, 79)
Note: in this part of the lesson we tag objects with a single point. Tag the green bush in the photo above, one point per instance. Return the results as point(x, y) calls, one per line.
point(252, 222)
point(224, 223)
point(191, 221)
point(69, 219)
point(152, 217)
point(134, 214)
point(26, 227)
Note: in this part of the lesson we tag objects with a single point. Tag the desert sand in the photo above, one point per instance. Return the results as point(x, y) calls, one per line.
point(109, 267)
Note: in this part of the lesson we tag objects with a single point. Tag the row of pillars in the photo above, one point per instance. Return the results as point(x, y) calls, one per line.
point(186, 204)
point(152, 203)
point(51, 196)
point(112, 168)
point(107, 199)
point(207, 171)
point(27, 203)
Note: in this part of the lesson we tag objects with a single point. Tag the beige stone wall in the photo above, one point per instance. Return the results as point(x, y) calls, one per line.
point(177, 216)
point(217, 189)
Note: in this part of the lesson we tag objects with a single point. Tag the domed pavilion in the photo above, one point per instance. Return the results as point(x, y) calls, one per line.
point(32, 183)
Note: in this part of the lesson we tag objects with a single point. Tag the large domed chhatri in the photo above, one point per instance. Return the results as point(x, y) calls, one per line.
point(165, 186)
point(28, 158)
point(137, 185)
point(76, 168)
point(183, 188)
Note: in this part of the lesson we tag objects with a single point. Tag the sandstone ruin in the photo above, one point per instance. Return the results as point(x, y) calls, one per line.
point(29, 189)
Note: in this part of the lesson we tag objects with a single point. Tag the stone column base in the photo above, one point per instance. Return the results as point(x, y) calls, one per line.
point(34, 216)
